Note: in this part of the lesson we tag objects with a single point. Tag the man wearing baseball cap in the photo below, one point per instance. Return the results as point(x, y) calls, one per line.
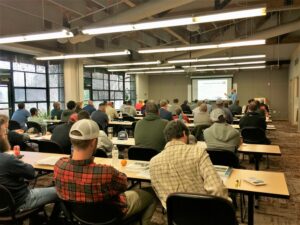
point(221, 135)
point(80, 179)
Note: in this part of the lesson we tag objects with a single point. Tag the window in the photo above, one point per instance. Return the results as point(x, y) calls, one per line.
point(102, 86)
point(56, 84)
point(130, 92)
point(30, 85)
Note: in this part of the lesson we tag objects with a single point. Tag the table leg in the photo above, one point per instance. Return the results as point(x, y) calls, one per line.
point(256, 159)
point(250, 209)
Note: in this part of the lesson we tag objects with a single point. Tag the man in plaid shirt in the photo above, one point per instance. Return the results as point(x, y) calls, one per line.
point(183, 168)
point(80, 179)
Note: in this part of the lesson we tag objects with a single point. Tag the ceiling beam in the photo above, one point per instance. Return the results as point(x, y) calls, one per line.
point(265, 34)
point(65, 7)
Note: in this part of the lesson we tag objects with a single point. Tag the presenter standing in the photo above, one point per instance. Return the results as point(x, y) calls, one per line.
point(232, 96)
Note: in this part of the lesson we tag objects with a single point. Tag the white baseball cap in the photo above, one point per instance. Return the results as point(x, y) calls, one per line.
point(87, 129)
point(216, 113)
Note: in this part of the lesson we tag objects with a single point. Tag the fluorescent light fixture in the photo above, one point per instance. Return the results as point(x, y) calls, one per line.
point(124, 64)
point(199, 47)
point(77, 56)
point(238, 14)
point(145, 68)
point(232, 68)
point(226, 64)
point(160, 71)
point(231, 15)
point(182, 61)
point(36, 37)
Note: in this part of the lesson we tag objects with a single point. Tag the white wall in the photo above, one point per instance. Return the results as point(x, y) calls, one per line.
point(294, 81)
point(142, 87)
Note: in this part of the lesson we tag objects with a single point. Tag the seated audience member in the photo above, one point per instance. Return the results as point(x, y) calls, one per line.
point(144, 107)
point(103, 141)
point(100, 117)
point(186, 108)
point(201, 116)
point(228, 114)
point(35, 118)
point(139, 105)
point(180, 116)
point(209, 106)
point(101, 182)
point(129, 109)
point(183, 168)
point(259, 110)
point(13, 136)
point(56, 111)
point(78, 107)
point(263, 107)
point(21, 115)
point(253, 118)
point(111, 111)
point(149, 131)
point(163, 111)
point(4, 143)
point(221, 135)
point(68, 112)
point(60, 134)
point(235, 108)
point(246, 107)
point(14, 176)
point(90, 108)
point(175, 106)
point(194, 104)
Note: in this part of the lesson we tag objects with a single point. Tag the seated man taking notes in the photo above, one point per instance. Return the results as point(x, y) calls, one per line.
point(80, 179)
point(183, 168)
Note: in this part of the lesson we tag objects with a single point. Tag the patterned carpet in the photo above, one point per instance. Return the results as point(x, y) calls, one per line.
point(271, 211)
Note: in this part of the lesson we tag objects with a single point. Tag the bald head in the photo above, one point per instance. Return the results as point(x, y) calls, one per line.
point(203, 107)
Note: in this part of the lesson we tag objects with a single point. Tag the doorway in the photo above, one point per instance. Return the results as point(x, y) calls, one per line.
point(5, 96)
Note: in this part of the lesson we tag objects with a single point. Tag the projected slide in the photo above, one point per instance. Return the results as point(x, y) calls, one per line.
point(212, 89)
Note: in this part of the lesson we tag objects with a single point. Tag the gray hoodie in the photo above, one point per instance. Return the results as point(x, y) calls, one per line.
point(222, 136)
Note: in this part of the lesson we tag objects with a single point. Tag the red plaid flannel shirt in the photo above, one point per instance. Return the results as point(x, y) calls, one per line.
point(84, 181)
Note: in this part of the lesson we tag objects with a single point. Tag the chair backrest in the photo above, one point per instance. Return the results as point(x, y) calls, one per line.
point(7, 203)
point(141, 153)
point(34, 125)
point(195, 209)
point(198, 131)
point(254, 135)
point(223, 157)
point(92, 213)
point(100, 153)
point(50, 147)
point(13, 125)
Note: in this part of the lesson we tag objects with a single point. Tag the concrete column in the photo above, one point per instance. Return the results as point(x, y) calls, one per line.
point(142, 87)
point(73, 77)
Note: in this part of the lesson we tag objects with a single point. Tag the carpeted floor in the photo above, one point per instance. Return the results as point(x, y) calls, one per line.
point(271, 211)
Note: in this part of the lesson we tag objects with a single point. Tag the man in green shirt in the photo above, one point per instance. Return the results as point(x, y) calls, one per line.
point(149, 131)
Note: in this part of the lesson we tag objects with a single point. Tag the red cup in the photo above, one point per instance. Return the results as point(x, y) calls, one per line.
point(17, 150)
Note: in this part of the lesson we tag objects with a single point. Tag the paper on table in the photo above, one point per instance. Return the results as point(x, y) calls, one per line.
point(49, 160)
point(145, 173)
point(138, 166)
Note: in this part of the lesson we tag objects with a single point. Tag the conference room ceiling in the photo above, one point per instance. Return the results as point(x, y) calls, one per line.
point(281, 27)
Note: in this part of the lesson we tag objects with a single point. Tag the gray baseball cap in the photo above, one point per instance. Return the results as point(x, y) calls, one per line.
point(87, 129)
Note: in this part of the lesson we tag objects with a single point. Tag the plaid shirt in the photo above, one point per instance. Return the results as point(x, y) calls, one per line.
point(85, 181)
point(184, 168)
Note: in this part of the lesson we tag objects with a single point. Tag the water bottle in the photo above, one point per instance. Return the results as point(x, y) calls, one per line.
point(115, 157)
point(120, 116)
point(110, 132)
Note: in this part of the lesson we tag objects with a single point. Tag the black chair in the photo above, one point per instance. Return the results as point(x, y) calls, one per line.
point(37, 127)
point(198, 132)
point(100, 153)
point(141, 153)
point(223, 157)
point(13, 125)
point(8, 214)
point(195, 209)
point(95, 213)
point(128, 118)
point(254, 135)
point(50, 147)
